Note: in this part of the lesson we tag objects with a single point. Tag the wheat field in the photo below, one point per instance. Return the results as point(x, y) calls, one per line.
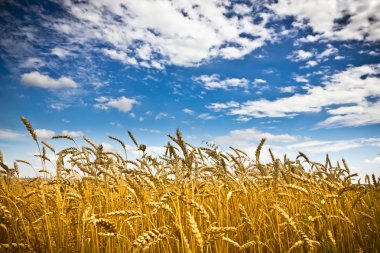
point(190, 199)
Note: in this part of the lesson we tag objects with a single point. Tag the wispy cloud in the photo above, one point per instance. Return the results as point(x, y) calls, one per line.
point(206, 116)
point(216, 107)
point(245, 137)
point(322, 146)
point(163, 115)
point(326, 18)
point(60, 52)
point(8, 134)
point(73, 133)
point(188, 111)
point(247, 140)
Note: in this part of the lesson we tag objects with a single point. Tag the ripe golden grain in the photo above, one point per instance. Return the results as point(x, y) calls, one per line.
point(190, 199)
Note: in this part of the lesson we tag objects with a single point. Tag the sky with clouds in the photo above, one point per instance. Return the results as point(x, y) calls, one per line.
point(304, 74)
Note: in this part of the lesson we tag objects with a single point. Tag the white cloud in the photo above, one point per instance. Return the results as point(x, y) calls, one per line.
point(60, 52)
point(243, 119)
point(319, 146)
point(374, 53)
point(242, 9)
point(162, 115)
point(328, 52)
point(73, 133)
point(245, 138)
point(188, 111)
point(375, 161)
point(7, 134)
point(122, 104)
point(300, 79)
point(348, 91)
point(300, 55)
point(214, 82)
point(248, 139)
point(258, 81)
point(287, 89)
point(358, 115)
point(59, 106)
point(101, 99)
point(362, 18)
point(120, 56)
point(311, 63)
point(206, 116)
point(216, 107)
point(154, 131)
point(107, 146)
point(44, 133)
point(316, 146)
point(157, 33)
point(37, 79)
point(32, 63)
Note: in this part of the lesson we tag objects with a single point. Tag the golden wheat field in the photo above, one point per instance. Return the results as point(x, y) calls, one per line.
point(190, 199)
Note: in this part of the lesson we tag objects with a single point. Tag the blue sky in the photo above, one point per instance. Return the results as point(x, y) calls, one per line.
point(303, 74)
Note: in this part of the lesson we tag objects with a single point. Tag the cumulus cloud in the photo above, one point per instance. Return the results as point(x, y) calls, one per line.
point(334, 19)
point(351, 93)
point(157, 33)
point(212, 82)
point(36, 79)
point(122, 104)
point(44, 133)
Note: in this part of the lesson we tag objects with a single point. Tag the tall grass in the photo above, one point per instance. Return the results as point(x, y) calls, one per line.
point(190, 199)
